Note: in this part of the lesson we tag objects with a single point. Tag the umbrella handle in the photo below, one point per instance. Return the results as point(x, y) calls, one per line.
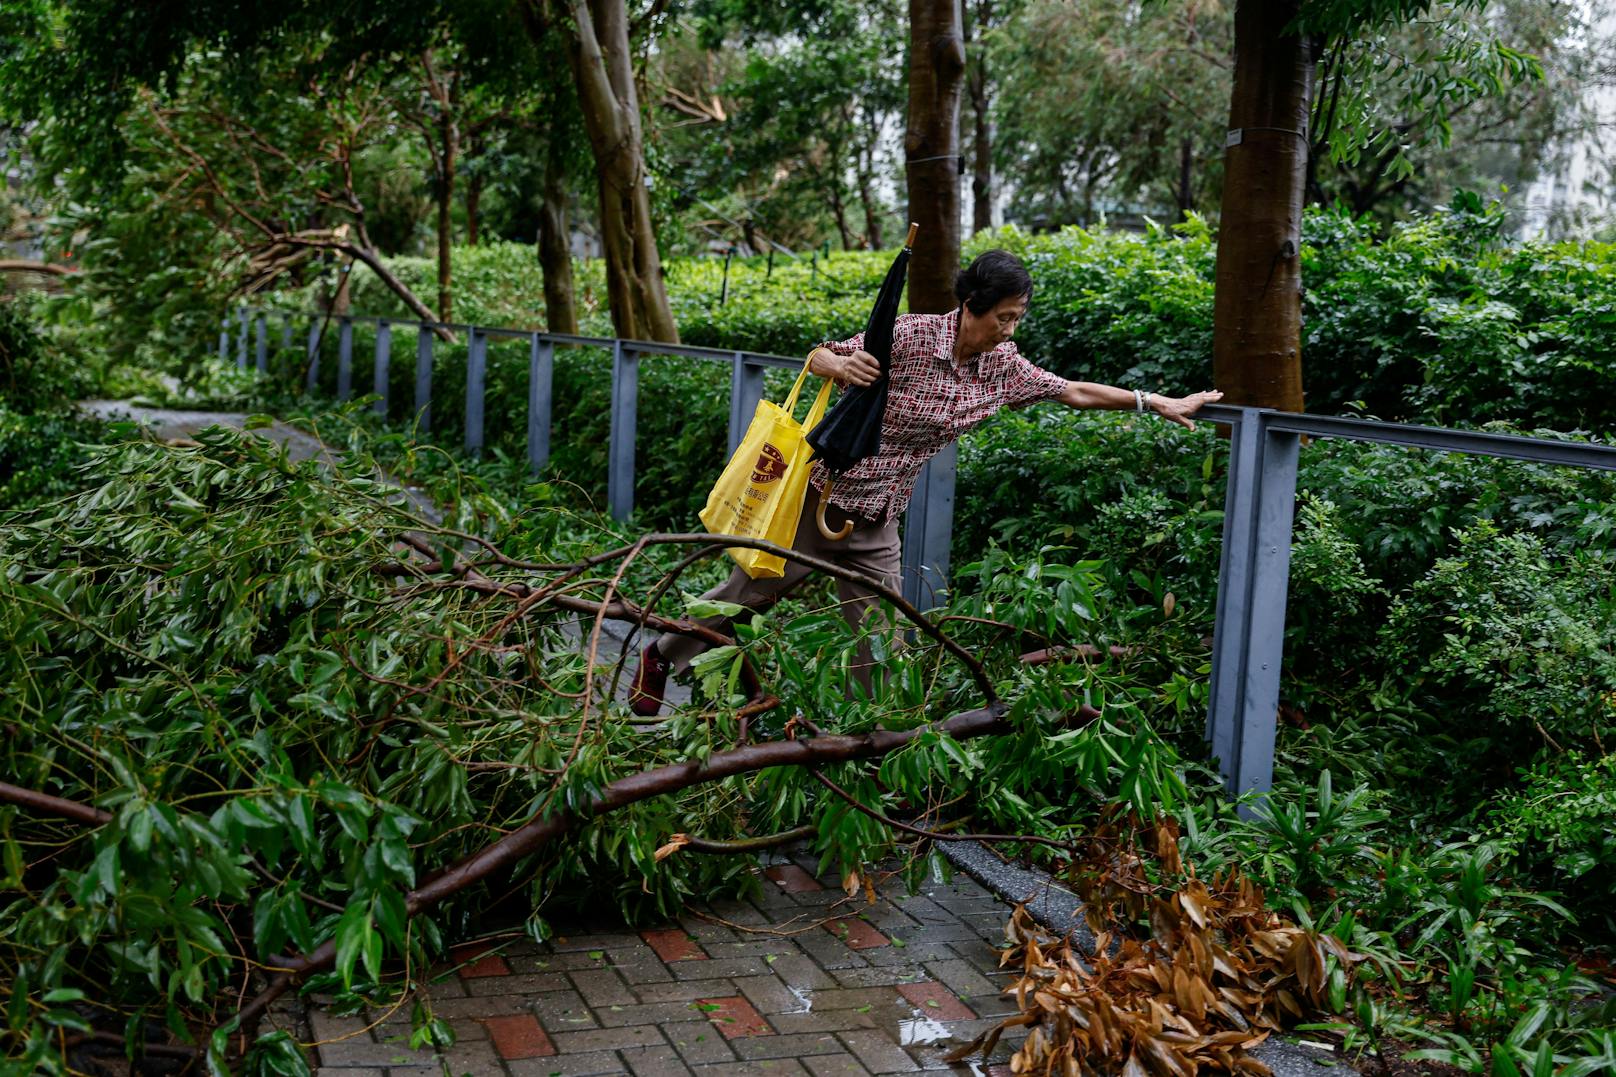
point(819, 518)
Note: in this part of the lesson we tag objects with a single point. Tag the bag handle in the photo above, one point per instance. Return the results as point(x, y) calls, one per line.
point(790, 404)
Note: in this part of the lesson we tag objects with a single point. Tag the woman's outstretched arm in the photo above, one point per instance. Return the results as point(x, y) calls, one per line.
point(1090, 395)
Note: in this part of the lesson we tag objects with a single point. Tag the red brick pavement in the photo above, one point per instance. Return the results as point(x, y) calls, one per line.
point(792, 879)
point(735, 1017)
point(673, 944)
point(936, 1001)
point(857, 934)
point(477, 959)
point(518, 1036)
point(799, 980)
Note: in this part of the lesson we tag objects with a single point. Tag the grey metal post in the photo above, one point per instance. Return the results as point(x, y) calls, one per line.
point(1248, 641)
point(476, 375)
point(313, 378)
point(243, 317)
point(423, 380)
point(384, 360)
point(261, 345)
point(286, 330)
point(745, 390)
point(620, 451)
point(929, 530)
point(345, 358)
point(224, 339)
point(540, 375)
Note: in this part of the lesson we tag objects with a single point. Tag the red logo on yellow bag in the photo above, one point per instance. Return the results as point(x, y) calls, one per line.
point(770, 465)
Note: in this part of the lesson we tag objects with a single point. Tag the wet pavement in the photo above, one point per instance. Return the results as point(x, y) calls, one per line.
point(800, 979)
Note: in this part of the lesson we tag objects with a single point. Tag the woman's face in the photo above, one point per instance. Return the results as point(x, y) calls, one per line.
point(987, 331)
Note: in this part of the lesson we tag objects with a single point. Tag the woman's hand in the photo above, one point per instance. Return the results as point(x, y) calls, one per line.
point(860, 368)
point(1179, 409)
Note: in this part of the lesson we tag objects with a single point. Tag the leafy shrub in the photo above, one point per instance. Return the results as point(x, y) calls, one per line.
point(1518, 650)
point(43, 457)
point(1140, 494)
point(1443, 321)
point(43, 444)
point(1558, 826)
point(1118, 307)
point(785, 311)
point(35, 376)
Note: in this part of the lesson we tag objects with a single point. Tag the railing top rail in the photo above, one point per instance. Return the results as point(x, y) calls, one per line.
point(1442, 439)
point(639, 347)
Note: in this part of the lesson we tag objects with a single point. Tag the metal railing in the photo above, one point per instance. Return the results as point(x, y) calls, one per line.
point(1258, 510)
point(1259, 502)
point(928, 527)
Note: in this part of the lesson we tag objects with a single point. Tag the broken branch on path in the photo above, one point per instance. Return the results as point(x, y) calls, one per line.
point(660, 781)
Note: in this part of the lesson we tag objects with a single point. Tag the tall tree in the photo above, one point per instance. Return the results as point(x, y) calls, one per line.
point(555, 253)
point(976, 24)
point(1257, 308)
point(932, 151)
point(1257, 305)
point(596, 36)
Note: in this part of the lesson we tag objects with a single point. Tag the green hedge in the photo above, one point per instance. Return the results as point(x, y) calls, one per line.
point(1439, 321)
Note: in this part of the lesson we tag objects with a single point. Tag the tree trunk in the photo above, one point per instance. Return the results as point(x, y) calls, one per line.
point(872, 204)
point(598, 47)
point(555, 257)
point(931, 150)
point(982, 129)
point(342, 302)
point(1186, 190)
point(1257, 311)
point(838, 210)
point(449, 148)
point(474, 202)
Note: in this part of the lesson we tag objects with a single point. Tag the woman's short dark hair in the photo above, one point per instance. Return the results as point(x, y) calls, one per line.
point(994, 275)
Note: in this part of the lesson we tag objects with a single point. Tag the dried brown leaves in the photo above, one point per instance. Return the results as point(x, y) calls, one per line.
point(1216, 974)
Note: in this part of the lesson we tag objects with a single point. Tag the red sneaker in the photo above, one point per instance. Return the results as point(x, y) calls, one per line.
point(650, 681)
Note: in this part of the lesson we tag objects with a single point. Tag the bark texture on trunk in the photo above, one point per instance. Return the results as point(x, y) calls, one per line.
point(931, 148)
point(444, 88)
point(555, 257)
point(1257, 312)
point(598, 46)
point(982, 127)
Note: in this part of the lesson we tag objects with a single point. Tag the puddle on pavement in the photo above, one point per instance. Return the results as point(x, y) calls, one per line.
point(922, 1031)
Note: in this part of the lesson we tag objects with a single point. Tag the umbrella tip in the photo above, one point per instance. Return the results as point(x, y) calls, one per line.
point(913, 228)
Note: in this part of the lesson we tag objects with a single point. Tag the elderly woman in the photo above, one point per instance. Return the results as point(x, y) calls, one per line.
point(949, 372)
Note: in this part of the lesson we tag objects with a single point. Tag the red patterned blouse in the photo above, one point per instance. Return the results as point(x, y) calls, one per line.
point(932, 400)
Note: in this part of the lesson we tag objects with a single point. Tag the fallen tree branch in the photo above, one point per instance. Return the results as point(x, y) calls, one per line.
point(938, 835)
point(746, 845)
point(661, 781)
point(49, 805)
point(622, 610)
point(23, 265)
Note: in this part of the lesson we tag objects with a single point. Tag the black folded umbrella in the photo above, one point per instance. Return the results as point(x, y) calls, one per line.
point(852, 430)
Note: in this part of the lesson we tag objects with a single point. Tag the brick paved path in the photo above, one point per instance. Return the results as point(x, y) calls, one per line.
point(855, 989)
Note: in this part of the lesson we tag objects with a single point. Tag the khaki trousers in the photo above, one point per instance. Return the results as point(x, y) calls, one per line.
point(872, 549)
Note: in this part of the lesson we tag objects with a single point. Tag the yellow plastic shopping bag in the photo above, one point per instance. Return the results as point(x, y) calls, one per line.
point(761, 491)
